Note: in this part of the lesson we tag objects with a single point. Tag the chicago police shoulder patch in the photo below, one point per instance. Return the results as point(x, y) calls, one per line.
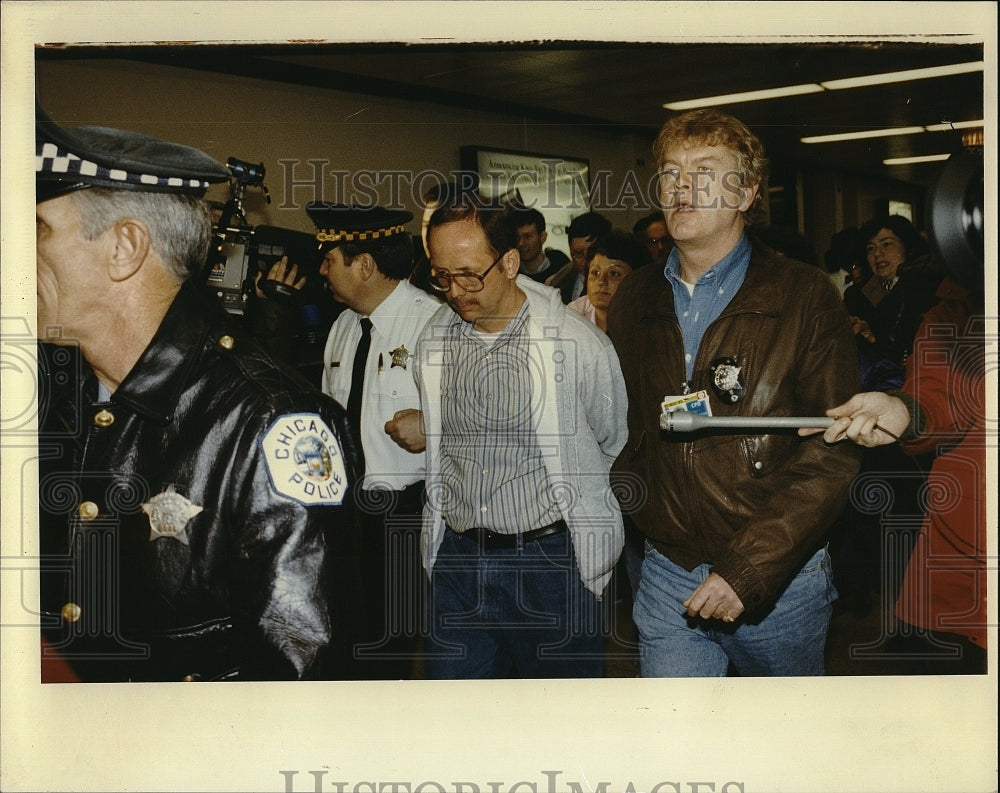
point(304, 459)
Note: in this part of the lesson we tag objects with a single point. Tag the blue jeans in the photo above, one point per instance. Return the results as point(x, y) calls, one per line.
point(789, 641)
point(512, 612)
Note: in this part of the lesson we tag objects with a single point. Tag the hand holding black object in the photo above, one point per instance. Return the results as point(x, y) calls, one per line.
point(282, 282)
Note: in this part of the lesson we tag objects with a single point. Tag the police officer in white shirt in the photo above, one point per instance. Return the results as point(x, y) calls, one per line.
point(368, 259)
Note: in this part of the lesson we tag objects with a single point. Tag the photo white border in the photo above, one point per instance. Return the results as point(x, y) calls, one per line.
point(832, 734)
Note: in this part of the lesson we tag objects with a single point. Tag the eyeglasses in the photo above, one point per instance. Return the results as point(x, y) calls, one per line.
point(468, 282)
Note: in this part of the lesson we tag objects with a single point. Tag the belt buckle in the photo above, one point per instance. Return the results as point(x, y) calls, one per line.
point(491, 541)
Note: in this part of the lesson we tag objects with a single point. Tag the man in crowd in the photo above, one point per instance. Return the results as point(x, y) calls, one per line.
point(192, 489)
point(531, 236)
point(736, 570)
point(523, 406)
point(651, 232)
point(583, 231)
point(368, 367)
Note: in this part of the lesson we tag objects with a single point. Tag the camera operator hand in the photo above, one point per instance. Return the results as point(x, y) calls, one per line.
point(281, 280)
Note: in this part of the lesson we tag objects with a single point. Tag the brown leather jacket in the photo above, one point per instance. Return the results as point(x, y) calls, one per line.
point(754, 506)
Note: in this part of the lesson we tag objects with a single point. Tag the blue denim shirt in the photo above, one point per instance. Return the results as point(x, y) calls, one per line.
point(712, 293)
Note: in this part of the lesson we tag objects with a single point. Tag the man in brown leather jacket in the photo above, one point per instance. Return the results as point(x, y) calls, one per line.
point(192, 490)
point(736, 570)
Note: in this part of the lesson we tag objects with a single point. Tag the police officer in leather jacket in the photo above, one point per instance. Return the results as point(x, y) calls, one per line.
point(192, 489)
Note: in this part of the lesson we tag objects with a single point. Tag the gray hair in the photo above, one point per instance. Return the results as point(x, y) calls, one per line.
point(179, 225)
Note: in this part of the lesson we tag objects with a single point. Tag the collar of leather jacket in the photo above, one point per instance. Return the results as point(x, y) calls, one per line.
point(153, 386)
point(764, 289)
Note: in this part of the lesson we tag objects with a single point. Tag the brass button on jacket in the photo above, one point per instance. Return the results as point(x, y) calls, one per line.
point(104, 418)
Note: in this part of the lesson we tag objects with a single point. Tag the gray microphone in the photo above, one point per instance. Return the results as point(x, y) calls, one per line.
point(685, 421)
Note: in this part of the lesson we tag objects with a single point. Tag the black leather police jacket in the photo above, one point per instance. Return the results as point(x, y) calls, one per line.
point(192, 527)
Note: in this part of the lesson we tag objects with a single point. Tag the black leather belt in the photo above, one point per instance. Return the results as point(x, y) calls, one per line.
point(491, 541)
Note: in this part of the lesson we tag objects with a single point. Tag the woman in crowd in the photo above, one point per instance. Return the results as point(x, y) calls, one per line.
point(609, 260)
point(899, 292)
point(870, 551)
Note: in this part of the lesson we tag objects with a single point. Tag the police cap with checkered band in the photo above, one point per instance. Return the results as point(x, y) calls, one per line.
point(337, 223)
point(73, 158)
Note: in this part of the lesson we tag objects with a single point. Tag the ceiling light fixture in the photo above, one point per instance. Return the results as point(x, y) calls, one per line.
point(870, 133)
point(914, 160)
point(885, 133)
point(828, 85)
point(904, 76)
point(948, 126)
point(747, 96)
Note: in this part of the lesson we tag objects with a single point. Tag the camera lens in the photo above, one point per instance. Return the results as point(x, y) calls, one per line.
point(955, 218)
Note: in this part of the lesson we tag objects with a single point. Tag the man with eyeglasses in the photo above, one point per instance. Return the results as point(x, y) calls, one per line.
point(524, 411)
point(736, 573)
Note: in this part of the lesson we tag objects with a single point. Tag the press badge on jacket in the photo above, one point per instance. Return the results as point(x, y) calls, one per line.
point(304, 459)
point(693, 403)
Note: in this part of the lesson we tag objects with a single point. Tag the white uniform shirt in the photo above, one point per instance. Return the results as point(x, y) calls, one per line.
point(388, 386)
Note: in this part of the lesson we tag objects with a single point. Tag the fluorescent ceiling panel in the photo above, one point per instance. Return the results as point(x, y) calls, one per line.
point(870, 133)
point(915, 160)
point(904, 76)
point(950, 125)
point(829, 85)
point(747, 96)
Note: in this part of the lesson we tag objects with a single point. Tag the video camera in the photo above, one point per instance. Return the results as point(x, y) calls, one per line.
point(240, 251)
point(246, 251)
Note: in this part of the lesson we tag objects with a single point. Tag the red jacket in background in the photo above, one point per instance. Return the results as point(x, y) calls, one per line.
point(944, 588)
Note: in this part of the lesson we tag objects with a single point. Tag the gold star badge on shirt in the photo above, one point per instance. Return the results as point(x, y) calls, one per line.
point(400, 356)
point(169, 513)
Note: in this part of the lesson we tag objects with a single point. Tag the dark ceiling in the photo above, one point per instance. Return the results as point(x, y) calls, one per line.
point(623, 86)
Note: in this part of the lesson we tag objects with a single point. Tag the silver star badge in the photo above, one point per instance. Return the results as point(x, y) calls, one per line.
point(400, 356)
point(169, 513)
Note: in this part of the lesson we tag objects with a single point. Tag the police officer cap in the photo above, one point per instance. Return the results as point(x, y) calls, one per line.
point(68, 159)
point(345, 223)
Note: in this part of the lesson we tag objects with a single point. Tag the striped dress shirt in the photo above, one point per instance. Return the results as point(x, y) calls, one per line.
point(492, 464)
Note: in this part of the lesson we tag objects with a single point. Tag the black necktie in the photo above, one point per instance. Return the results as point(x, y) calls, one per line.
point(358, 378)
